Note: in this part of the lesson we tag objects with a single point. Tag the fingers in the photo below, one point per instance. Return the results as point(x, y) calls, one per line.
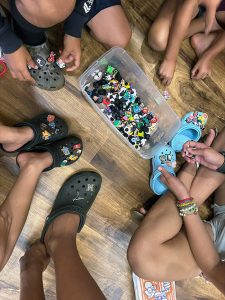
point(199, 75)
point(195, 152)
point(164, 79)
point(76, 63)
point(198, 72)
point(22, 75)
point(69, 59)
point(27, 77)
point(194, 71)
point(165, 174)
point(192, 144)
point(13, 74)
point(64, 55)
point(31, 63)
point(210, 138)
point(19, 76)
point(73, 60)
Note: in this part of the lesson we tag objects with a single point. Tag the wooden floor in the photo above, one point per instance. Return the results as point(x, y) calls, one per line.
point(105, 237)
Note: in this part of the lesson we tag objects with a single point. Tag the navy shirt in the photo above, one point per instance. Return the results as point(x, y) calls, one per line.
point(10, 42)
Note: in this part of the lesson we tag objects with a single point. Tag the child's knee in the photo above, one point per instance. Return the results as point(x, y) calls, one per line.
point(138, 254)
point(142, 259)
point(157, 39)
point(122, 40)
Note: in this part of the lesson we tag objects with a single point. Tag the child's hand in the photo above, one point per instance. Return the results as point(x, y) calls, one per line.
point(175, 185)
point(17, 63)
point(166, 71)
point(198, 152)
point(202, 68)
point(71, 52)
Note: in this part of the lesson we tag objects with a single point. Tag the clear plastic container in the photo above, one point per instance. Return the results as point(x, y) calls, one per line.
point(168, 121)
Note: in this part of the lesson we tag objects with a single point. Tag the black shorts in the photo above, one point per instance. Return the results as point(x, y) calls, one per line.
point(33, 35)
point(99, 5)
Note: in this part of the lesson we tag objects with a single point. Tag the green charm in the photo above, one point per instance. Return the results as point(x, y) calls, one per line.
point(117, 123)
point(110, 70)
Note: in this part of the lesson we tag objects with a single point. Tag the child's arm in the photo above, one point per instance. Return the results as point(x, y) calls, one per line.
point(203, 66)
point(73, 29)
point(15, 54)
point(9, 42)
point(200, 242)
point(204, 251)
point(178, 31)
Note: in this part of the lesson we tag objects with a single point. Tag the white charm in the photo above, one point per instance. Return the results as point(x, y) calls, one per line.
point(90, 188)
point(77, 198)
point(60, 63)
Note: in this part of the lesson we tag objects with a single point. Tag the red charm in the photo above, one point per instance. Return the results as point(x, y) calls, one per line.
point(145, 110)
point(3, 67)
point(76, 146)
point(51, 57)
point(154, 120)
point(106, 101)
point(50, 118)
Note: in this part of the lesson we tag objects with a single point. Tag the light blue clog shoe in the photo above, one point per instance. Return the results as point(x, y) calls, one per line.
point(191, 129)
point(166, 158)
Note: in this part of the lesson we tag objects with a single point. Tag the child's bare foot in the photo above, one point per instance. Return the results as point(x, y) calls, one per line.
point(62, 228)
point(166, 71)
point(143, 211)
point(202, 68)
point(12, 138)
point(201, 42)
point(35, 258)
point(139, 212)
point(38, 161)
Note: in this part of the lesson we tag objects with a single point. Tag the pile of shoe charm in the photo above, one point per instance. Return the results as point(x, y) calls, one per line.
point(119, 102)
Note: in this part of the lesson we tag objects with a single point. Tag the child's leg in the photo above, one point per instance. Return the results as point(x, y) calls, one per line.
point(201, 42)
point(73, 281)
point(208, 47)
point(203, 66)
point(111, 27)
point(159, 30)
point(12, 138)
point(14, 210)
point(32, 265)
point(158, 249)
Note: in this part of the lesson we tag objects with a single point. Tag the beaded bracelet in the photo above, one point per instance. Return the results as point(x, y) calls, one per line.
point(185, 200)
point(187, 207)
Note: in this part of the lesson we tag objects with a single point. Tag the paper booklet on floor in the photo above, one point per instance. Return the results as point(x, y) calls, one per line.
point(152, 290)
